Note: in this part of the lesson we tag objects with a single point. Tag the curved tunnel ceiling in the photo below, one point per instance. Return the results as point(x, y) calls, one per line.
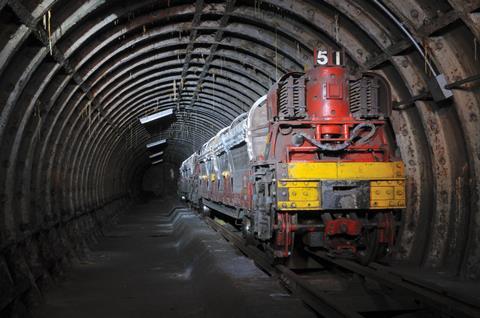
point(75, 77)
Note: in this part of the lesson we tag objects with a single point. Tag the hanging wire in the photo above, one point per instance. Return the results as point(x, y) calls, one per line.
point(47, 26)
point(50, 30)
point(37, 114)
point(36, 111)
point(426, 56)
point(174, 90)
point(195, 121)
point(475, 48)
point(276, 55)
point(222, 60)
point(336, 29)
point(89, 119)
point(214, 97)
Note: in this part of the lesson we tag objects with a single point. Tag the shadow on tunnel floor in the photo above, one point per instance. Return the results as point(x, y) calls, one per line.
point(153, 263)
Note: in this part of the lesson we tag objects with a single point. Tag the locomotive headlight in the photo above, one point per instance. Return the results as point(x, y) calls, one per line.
point(183, 198)
point(297, 140)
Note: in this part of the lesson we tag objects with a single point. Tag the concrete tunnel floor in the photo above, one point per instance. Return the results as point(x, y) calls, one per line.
point(152, 264)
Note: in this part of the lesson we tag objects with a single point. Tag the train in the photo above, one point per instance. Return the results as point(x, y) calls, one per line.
point(313, 164)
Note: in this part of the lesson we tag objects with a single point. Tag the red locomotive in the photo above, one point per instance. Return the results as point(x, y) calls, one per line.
point(311, 164)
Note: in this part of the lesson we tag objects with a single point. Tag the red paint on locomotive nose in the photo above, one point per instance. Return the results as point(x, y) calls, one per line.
point(327, 95)
point(331, 129)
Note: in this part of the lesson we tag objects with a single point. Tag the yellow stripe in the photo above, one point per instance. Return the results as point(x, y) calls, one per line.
point(346, 170)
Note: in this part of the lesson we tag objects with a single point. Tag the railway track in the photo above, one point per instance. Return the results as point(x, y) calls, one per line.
point(342, 288)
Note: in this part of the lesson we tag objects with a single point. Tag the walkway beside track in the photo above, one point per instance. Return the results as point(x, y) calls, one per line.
point(152, 264)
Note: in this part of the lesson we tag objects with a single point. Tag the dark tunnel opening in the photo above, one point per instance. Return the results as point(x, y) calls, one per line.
point(76, 77)
point(160, 181)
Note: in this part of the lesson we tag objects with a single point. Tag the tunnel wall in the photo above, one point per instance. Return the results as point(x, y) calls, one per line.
point(75, 76)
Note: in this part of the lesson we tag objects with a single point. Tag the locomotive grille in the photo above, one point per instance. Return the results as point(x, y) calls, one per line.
point(364, 98)
point(291, 99)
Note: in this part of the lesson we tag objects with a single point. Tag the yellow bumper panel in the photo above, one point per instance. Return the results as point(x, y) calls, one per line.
point(299, 184)
point(302, 195)
point(387, 194)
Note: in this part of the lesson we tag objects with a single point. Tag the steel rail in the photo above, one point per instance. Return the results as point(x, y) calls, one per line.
point(319, 301)
point(437, 299)
point(434, 299)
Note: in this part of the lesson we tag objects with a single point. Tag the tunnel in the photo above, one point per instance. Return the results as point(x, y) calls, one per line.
point(76, 77)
